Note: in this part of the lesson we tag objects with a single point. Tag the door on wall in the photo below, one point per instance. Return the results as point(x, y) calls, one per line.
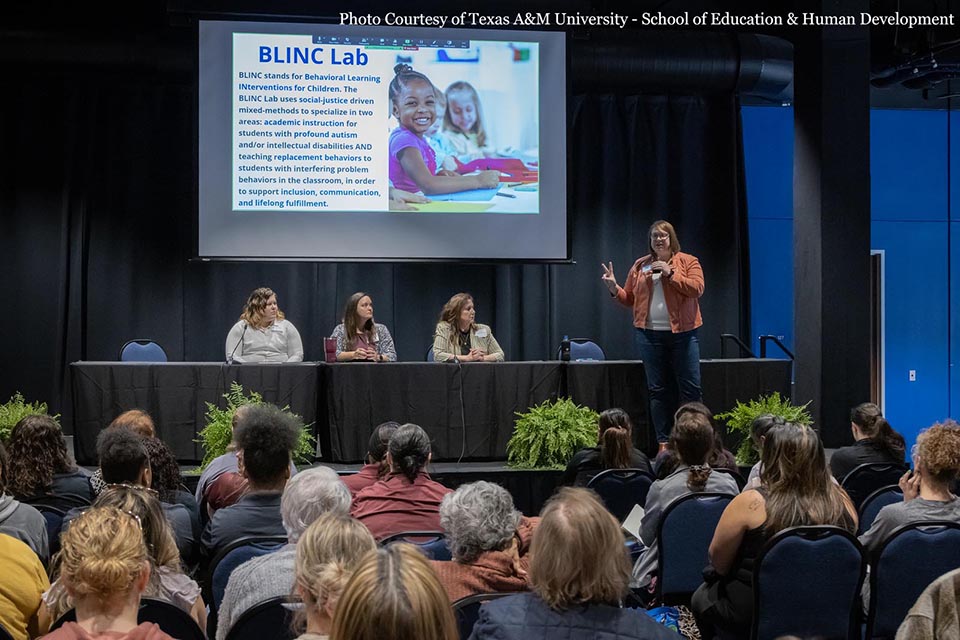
point(876, 328)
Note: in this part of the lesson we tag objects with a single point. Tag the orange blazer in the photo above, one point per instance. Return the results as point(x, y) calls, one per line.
point(681, 291)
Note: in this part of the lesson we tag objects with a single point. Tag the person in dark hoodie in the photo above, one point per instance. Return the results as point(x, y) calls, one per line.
point(19, 520)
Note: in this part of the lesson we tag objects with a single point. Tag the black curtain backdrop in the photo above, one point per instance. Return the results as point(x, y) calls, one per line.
point(98, 201)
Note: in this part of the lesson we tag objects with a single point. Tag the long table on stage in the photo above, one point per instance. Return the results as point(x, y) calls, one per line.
point(466, 409)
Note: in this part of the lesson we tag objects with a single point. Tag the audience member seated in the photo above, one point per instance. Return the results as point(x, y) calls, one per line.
point(22, 581)
point(488, 540)
point(936, 613)
point(407, 499)
point(21, 521)
point(926, 491)
point(218, 495)
point(876, 441)
point(39, 464)
point(307, 496)
point(720, 458)
point(165, 480)
point(579, 575)
point(265, 438)
point(394, 594)
point(135, 420)
point(327, 555)
point(166, 581)
point(124, 461)
point(692, 439)
point(376, 467)
point(796, 490)
point(105, 566)
point(758, 433)
point(615, 450)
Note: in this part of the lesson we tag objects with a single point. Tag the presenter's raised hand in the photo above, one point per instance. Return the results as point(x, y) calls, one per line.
point(608, 277)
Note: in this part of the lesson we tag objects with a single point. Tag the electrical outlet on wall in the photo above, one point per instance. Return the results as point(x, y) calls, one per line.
point(913, 375)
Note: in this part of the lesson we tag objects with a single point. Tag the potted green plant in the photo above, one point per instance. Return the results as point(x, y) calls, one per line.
point(740, 418)
point(547, 435)
point(15, 409)
point(218, 432)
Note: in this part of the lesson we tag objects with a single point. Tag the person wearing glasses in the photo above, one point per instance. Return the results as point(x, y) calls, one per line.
point(663, 288)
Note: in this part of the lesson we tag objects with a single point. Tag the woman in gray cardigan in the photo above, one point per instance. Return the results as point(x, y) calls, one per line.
point(459, 339)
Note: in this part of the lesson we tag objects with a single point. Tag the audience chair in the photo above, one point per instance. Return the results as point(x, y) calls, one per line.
point(142, 350)
point(739, 479)
point(621, 489)
point(433, 544)
point(53, 518)
point(872, 504)
point(867, 478)
point(467, 611)
point(61, 501)
point(4, 634)
point(683, 538)
point(429, 356)
point(807, 583)
point(582, 349)
point(171, 619)
point(269, 619)
point(909, 560)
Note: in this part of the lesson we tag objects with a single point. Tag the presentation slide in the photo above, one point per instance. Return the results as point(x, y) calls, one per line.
point(332, 142)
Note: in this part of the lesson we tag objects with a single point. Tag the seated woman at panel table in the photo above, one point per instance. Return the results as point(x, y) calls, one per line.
point(359, 337)
point(459, 339)
point(262, 334)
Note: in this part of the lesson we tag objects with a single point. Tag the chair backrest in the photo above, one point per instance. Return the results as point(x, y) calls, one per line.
point(58, 501)
point(433, 544)
point(872, 504)
point(142, 350)
point(621, 489)
point(268, 619)
point(909, 560)
point(582, 349)
point(467, 611)
point(4, 634)
point(739, 479)
point(53, 518)
point(429, 357)
point(171, 619)
point(867, 478)
point(683, 538)
point(232, 556)
point(806, 582)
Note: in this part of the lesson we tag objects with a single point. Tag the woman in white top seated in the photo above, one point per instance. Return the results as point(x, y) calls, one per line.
point(262, 334)
point(459, 339)
point(359, 337)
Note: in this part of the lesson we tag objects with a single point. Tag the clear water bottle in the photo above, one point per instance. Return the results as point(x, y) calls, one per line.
point(565, 349)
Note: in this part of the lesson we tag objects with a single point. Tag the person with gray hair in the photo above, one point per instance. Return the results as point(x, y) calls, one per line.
point(406, 499)
point(488, 540)
point(307, 496)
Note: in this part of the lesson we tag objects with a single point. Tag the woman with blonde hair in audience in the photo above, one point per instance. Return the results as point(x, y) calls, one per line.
point(394, 594)
point(579, 576)
point(796, 490)
point(105, 568)
point(167, 581)
point(328, 552)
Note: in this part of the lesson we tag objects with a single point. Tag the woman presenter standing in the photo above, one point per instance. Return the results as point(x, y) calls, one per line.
point(663, 288)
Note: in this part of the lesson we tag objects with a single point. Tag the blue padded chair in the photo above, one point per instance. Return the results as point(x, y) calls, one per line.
point(171, 619)
point(806, 582)
point(53, 518)
point(683, 538)
point(429, 357)
point(268, 619)
point(583, 349)
point(621, 489)
point(467, 611)
point(909, 560)
point(433, 544)
point(234, 555)
point(877, 500)
point(867, 478)
point(142, 350)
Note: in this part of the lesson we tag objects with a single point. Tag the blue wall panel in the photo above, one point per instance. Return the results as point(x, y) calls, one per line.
point(768, 146)
point(955, 320)
point(771, 282)
point(955, 166)
point(916, 299)
point(908, 165)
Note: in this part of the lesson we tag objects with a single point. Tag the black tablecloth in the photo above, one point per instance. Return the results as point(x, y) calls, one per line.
point(175, 394)
point(467, 408)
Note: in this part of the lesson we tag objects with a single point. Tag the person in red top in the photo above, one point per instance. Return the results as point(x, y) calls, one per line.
point(664, 288)
point(407, 499)
point(376, 467)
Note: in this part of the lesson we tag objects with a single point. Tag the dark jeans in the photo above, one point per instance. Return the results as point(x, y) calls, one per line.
point(664, 354)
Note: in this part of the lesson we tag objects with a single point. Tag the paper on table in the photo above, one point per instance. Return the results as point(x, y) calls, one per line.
point(631, 524)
